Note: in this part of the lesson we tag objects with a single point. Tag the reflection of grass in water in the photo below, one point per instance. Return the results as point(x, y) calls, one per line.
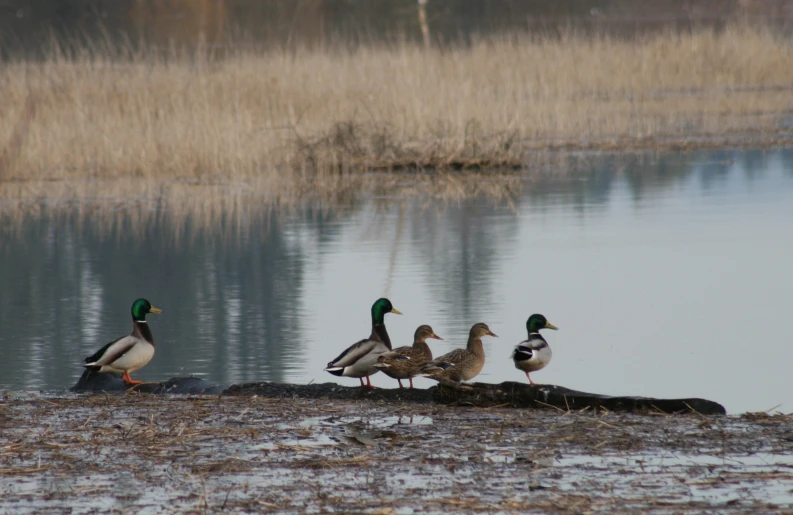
point(282, 114)
point(226, 208)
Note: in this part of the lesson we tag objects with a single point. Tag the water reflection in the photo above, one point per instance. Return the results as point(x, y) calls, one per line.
point(667, 274)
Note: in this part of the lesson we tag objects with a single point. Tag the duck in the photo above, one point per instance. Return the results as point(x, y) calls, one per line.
point(404, 362)
point(358, 359)
point(129, 353)
point(533, 353)
point(460, 364)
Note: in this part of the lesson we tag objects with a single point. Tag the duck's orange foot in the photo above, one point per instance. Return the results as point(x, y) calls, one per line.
point(368, 382)
point(125, 377)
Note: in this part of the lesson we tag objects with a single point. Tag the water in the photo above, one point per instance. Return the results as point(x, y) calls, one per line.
point(668, 276)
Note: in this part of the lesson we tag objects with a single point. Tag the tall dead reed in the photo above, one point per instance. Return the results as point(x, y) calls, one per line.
point(278, 115)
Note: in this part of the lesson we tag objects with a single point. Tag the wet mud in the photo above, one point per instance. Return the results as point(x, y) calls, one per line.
point(240, 454)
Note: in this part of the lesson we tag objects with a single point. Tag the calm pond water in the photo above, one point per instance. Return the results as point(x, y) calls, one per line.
point(668, 275)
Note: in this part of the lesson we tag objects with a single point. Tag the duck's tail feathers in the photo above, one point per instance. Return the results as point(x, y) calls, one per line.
point(428, 371)
point(381, 365)
point(336, 371)
point(93, 366)
point(522, 354)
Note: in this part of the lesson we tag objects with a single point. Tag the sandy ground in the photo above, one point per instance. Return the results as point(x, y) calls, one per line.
point(140, 453)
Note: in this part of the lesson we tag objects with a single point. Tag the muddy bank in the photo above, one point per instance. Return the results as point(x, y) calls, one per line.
point(201, 454)
point(507, 394)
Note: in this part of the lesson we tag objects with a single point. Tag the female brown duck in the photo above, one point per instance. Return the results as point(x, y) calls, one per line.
point(404, 362)
point(460, 364)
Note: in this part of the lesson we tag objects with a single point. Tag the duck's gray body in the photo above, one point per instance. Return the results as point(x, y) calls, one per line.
point(127, 354)
point(359, 358)
point(532, 354)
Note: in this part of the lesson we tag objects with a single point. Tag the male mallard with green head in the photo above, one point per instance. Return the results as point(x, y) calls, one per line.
point(358, 359)
point(128, 353)
point(533, 353)
point(404, 362)
point(460, 364)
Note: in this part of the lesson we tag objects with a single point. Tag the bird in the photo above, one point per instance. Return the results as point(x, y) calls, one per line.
point(128, 353)
point(404, 362)
point(460, 364)
point(533, 353)
point(359, 358)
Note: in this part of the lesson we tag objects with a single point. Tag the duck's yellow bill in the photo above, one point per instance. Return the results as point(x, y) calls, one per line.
point(396, 311)
point(155, 310)
point(549, 325)
point(491, 333)
point(436, 336)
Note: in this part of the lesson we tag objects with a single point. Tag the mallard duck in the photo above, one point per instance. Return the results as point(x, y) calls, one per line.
point(359, 358)
point(128, 353)
point(533, 353)
point(404, 362)
point(460, 364)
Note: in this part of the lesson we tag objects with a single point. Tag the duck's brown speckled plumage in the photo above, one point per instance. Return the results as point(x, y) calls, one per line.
point(460, 364)
point(404, 362)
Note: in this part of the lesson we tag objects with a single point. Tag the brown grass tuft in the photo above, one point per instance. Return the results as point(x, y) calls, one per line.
point(276, 114)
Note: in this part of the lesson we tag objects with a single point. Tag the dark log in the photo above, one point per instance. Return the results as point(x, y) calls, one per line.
point(508, 394)
point(521, 395)
point(95, 382)
point(331, 391)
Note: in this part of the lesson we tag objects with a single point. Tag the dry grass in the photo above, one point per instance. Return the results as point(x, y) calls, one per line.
point(277, 115)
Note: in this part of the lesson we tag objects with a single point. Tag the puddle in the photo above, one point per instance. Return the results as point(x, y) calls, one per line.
point(379, 422)
point(704, 478)
point(341, 430)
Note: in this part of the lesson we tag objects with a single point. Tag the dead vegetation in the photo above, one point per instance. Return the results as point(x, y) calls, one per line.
point(227, 455)
point(281, 116)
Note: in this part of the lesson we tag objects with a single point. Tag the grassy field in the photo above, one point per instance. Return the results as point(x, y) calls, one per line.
point(276, 115)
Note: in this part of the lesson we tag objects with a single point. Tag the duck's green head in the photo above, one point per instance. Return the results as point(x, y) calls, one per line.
point(142, 307)
point(481, 329)
point(380, 308)
point(537, 322)
point(424, 332)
